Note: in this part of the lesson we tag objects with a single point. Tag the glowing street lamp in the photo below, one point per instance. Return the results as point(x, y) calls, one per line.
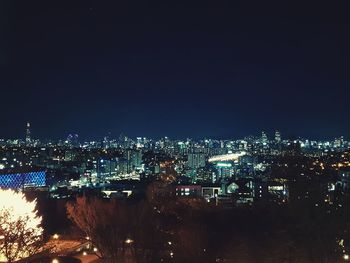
point(346, 257)
point(129, 241)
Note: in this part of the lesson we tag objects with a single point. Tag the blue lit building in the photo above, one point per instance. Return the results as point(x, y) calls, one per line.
point(21, 180)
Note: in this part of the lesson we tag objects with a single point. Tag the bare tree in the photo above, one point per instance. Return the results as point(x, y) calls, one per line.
point(121, 232)
point(20, 231)
point(103, 222)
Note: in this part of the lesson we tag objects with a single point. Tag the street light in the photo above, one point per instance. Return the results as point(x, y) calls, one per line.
point(55, 260)
point(129, 241)
point(346, 257)
point(55, 236)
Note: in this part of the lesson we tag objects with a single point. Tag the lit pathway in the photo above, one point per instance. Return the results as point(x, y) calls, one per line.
point(87, 259)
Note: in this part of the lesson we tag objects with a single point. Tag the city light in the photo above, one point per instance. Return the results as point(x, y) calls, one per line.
point(224, 164)
point(131, 133)
point(129, 241)
point(226, 157)
point(19, 180)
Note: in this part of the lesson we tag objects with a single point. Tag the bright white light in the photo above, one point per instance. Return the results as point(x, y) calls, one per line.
point(226, 157)
point(346, 257)
point(224, 164)
point(55, 260)
point(129, 241)
point(18, 208)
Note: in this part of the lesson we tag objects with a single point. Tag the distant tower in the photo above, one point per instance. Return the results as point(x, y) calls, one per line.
point(28, 139)
point(277, 136)
point(263, 137)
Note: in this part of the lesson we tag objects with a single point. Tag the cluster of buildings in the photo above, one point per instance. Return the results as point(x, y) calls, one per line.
point(221, 171)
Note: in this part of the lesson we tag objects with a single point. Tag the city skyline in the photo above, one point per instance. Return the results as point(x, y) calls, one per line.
point(143, 132)
point(271, 135)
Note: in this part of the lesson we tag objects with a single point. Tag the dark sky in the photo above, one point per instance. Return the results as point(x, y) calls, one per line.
point(224, 70)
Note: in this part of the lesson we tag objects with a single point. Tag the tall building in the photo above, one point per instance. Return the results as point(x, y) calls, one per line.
point(106, 143)
point(225, 170)
point(339, 142)
point(263, 137)
point(278, 137)
point(196, 160)
point(134, 160)
point(73, 140)
point(28, 139)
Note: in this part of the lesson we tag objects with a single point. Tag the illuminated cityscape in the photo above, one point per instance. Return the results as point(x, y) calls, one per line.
point(174, 132)
point(253, 172)
point(72, 166)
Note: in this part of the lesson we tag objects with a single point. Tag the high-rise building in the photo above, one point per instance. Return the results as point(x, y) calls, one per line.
point(106, 143)
point(196, 160)
point(278, 137)
point(339, 142)
point(224, 170)
point(28, 139)
point(73, 140)
point(134, 160)
point(263, 137)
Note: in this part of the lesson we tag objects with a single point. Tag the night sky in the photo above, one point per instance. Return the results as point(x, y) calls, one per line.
point(217, 70)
